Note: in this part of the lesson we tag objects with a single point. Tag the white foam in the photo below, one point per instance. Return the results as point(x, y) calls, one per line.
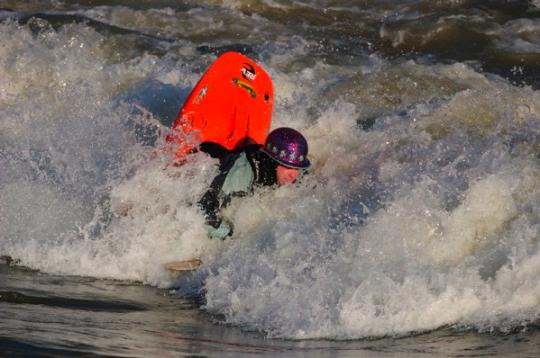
point(426, 219)
point(519, 36)
point(68, 150)
point(433, 255)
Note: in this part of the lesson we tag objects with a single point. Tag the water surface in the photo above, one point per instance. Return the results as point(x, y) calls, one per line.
point(416, 231)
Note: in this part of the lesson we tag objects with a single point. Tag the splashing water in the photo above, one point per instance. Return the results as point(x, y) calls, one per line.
point(420, 211)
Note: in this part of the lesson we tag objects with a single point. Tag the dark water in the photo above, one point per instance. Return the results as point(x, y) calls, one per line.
point(46, 316)
point(416, 232)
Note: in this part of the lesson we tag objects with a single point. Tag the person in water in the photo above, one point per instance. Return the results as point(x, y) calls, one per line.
point(280, 161)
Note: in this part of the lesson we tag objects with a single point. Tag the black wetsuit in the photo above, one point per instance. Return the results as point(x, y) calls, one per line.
point(263, 172)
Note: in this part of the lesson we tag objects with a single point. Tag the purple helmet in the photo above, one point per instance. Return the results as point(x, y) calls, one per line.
point(287, 147)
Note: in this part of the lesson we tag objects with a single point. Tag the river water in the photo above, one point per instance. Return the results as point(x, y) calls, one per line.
point(415, 232)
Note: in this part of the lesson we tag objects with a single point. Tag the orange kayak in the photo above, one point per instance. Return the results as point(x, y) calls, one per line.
point(230, 106)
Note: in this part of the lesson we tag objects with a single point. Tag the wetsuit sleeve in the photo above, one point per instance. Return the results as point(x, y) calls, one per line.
point(234, 179)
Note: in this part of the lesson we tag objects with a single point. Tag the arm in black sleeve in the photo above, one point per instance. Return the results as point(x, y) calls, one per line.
point(212, 201)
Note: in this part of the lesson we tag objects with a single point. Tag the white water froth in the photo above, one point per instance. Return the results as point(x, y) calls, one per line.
point(414, 266)
point(452, 191)
point(72, 165)
point(519, 36)
point(428, 218)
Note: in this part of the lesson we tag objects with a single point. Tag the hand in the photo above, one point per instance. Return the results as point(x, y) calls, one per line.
point(221, 232)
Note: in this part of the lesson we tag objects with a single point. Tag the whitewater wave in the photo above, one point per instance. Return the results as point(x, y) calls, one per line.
point(420, 210)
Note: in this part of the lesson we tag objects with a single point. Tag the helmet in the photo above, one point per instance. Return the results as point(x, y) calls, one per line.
point(287, 147)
